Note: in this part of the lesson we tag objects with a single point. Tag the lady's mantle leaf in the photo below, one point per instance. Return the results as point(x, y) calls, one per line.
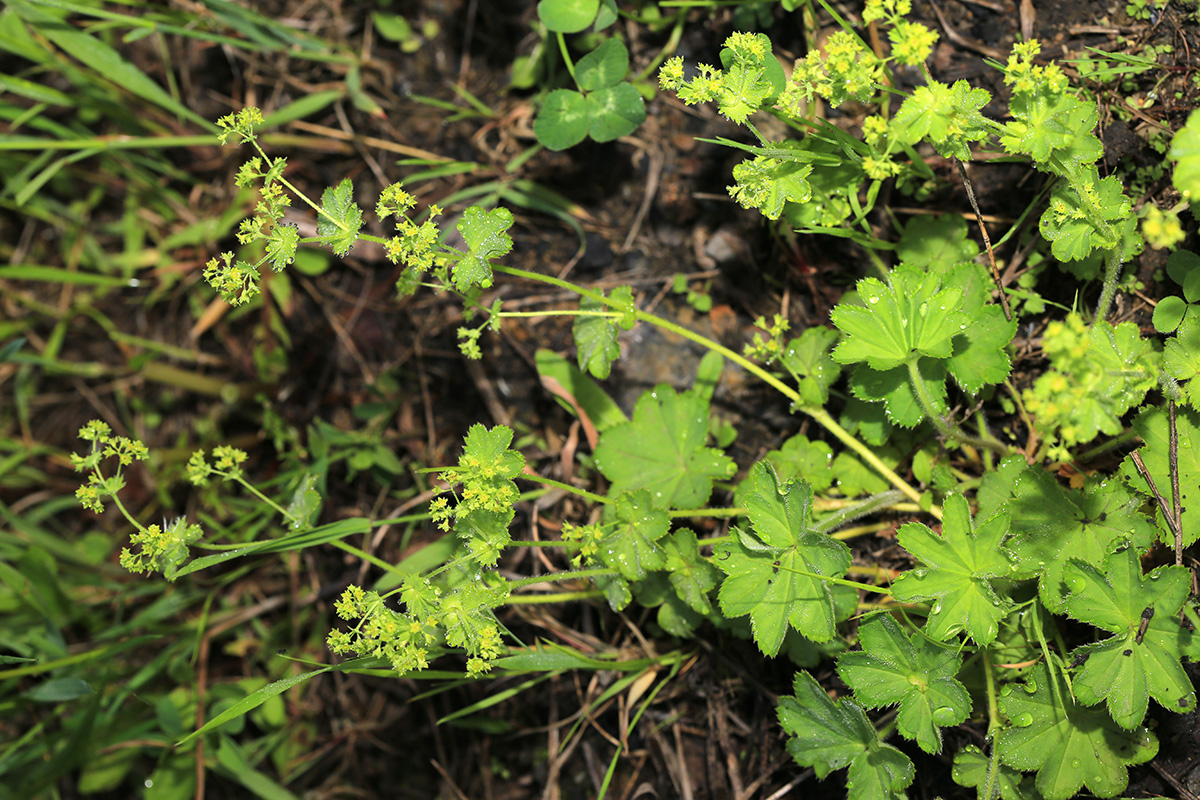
point(596, 336)
point(341, 218)
point(774, 577)
point(1069, 223)
point(892, 668)
point(691, 574)
point(630, 547)
point(910, 315)
point(826, 736)
point(766, 183)
point(281, 245)
point(484, 233)
point(971, 769)
point(1051, 524)
point(1070, 746)
point(1142, 659)
point(662, 449)
point(959, 566)
point(1152, 425)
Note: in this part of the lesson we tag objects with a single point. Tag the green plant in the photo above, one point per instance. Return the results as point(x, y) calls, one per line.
point(991, 602)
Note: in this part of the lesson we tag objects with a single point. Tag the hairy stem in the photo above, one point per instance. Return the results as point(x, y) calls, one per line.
point(944, 427)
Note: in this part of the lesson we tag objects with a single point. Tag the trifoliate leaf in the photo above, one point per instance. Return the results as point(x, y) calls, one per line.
point(774, 576)
point(613, 112)
point(910, 315)
point(563, 120)
point(604, 66)
point(826, 736)
point(281, 245)
point(956, 573)
point(340, 219)
point(971, 769)
point(630, 547)
point(1070, 746)
point(1051, 524)
point(1153, 426)
point(662, 449)
point(979, 358)
point(913, 672)
point(484, 233)
point(1142, 659)
point(807, 358)
point(691, 574)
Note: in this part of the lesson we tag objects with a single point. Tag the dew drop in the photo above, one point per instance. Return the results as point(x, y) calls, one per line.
point(944, 715)
point(1023, 720)
point(872, 299)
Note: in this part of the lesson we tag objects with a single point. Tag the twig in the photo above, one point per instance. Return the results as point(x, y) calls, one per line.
point(1162, 502)
point(987, 242)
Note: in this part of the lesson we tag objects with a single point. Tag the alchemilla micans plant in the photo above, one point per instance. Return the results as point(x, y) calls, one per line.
point(1003, 555)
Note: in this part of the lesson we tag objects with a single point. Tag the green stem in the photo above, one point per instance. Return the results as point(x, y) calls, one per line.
point(818, 414)
point(320, 211)
point(250, 488)
point(1112, 275)
point(861, 509)
point(946, 429)
point(554, 597)
point(566, 487)
point(688, 513)
point(993, 725)
point(562, 48)
point(1112, 444)
point(579, 574)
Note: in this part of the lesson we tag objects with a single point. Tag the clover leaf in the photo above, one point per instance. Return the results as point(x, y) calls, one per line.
point(340, 217)
point(1070, 746)
point(913, 672)
point(484, 233)
point(630, 546)
point(567, 16)
point(614, 111)
point(1184, 268)
point(910, 315)
point(828, 735)
point(1153, 427)
point(662, 449)
point(1142, 659)
point(605, 108)
point(958, 570)
point(775, 576)
point(562, 121)
point(604, 66)
point(1051, 524)
point(596, 334)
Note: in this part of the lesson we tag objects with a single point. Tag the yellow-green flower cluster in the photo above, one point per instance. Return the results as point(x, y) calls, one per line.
point(160, 549)
point(768, 349)
point(1026, 77)
point(241, 124)
point(589, 538)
